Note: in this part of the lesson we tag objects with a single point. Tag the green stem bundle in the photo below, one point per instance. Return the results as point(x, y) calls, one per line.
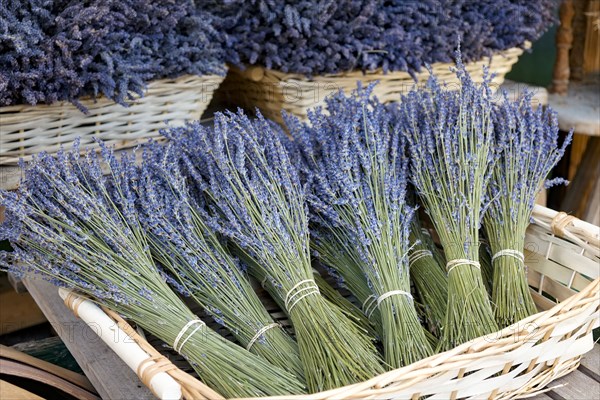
point(428, 277)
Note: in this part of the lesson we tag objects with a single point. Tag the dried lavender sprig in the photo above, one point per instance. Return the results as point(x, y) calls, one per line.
point(200, 264)
point(257, 201)
point(357, 175)
point(528, 141)
point(79, 229)
point(428, 277)
point(450, 140)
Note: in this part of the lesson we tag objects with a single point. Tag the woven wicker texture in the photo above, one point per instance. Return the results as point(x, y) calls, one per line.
point(562, 257)
point(271, 91)
point(27, 130)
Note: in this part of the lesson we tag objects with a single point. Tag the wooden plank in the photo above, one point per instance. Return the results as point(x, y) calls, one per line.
point(541, 396)
point(575, 385)
point(590, 363)
point(108, 373)
point(579, 109)
point(16, 283)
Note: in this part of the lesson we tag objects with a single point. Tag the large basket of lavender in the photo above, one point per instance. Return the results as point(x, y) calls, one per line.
point(219, 211)
point(292, 55)
point(110, 70)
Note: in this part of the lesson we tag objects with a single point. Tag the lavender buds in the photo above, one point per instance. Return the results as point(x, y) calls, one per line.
point(79, 229)
point(319, 37)
point(357, 176)
point(256, 200)
point(62, 50)
point(527, 141)
point(451, 147)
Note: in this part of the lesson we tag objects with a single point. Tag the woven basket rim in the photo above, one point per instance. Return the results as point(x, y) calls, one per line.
point(89, 99)
point(261, 70)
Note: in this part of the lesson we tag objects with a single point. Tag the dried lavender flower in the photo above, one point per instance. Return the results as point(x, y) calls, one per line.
point(325, 36)
point(200, 264)
point(451, 147)
point(79, 229)
point(527, 140)
point(257, 201)
point(357, 175)
point(62, 50)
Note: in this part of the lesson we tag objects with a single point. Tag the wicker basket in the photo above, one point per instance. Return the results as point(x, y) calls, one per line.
point(562, 255)
point(27, 130)
point(271, 91)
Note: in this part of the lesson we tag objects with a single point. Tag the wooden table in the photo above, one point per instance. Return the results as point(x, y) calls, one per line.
point(584, 383)
point(114, 380)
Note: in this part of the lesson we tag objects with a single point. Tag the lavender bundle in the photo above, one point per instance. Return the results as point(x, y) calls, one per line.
point(451, 143)
point(79, 229)
point(357, 177)
point(200, 264)
point(528, 140)
point(258, 202)
point(428, 277)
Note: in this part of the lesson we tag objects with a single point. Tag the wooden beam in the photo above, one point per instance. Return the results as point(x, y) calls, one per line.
point(111, 377)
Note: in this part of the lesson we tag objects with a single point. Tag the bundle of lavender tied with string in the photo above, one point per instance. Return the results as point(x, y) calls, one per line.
point(80, 229)
point(356, 171)
point(527, 140)
point(200, 264)
point(257, 201)
point(451, 147)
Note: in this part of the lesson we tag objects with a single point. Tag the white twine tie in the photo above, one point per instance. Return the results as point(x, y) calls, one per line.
point(389, 294)
point(369, 302)
point(291, 298)
point(417, 255)
point(184, 330)
point(510, 253)
point(461, 261)
point(260, 332)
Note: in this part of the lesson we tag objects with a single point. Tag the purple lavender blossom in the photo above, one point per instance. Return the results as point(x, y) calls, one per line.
point(327, 36)
point(62, 50)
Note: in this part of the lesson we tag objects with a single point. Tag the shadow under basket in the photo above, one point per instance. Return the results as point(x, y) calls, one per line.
point(272, 91)
point(562, 256)
point(28, 130)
